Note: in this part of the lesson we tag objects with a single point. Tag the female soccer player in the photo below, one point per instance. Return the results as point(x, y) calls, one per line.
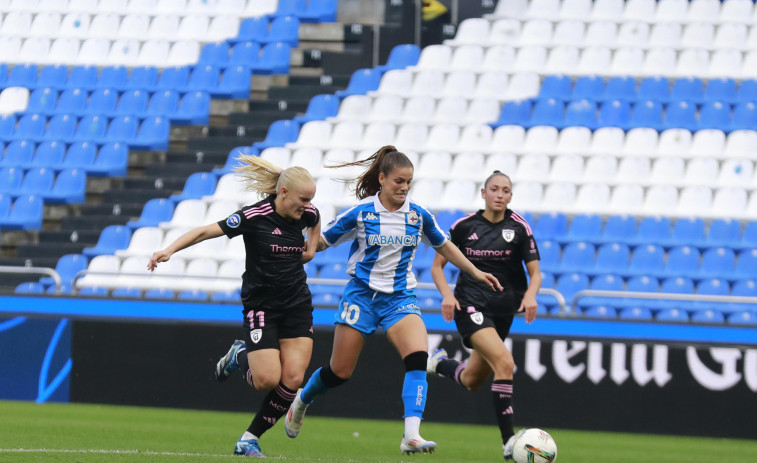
point(385, 227)
point(278, 308)
point(496, 240)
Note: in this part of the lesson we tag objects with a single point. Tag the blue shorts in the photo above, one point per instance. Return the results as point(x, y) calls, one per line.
point(366, 309)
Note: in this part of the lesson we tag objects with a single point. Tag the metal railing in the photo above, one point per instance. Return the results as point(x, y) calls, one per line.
point(585, 293)
point(35, 271)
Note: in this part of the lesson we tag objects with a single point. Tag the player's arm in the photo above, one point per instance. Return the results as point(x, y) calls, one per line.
point(186, 240)
point(313, 243)
point(528, 304)
point(453, 254)
point(449, 302)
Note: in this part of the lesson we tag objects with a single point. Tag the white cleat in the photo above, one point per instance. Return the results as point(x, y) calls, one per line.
point(294, 416)
point(433, 361)
point(507, 448)
point(417, 444)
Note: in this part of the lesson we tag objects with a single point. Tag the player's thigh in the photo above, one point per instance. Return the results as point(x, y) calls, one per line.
point(265, 365)
point(348, 343)
point(408, 335)
point(488, 344)
point(295, 358)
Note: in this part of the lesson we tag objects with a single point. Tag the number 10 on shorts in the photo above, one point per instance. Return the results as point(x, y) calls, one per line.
point(350, 313)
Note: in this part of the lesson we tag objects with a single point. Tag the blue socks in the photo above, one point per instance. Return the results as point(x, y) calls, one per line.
point(414, 392)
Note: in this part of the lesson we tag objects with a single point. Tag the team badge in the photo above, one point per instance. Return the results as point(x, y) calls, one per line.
point(256, 335)
point(233, 221)
point(412, 217)
point(477, 317)
point(508, 234)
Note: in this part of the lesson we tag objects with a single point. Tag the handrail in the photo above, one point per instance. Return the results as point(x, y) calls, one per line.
point(665, 296)
point(35, 270)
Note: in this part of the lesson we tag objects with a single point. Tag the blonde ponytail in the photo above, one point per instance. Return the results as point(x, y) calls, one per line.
point(267, 178)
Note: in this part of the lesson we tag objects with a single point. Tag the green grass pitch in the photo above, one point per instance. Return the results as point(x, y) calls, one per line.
point(93, 433)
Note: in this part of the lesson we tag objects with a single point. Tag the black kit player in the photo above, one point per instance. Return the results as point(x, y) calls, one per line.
point(496, 240)
point(278, 308)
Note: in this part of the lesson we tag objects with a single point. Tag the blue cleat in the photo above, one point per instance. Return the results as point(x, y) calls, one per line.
point(228, 362)
point(248, 448)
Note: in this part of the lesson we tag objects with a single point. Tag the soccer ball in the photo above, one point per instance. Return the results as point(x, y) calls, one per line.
point(534, 446)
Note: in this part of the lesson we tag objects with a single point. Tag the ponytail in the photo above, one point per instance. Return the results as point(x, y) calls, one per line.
point(383, 161)
point(267, 178)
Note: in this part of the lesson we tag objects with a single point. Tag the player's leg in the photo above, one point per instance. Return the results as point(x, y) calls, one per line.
point(264, 375)
point(409, 337)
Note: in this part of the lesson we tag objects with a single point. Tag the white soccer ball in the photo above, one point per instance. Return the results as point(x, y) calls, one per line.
point(534, 446)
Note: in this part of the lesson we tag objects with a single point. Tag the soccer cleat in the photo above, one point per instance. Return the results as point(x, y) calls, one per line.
point(294, 416)
point(507, 448)
point(417, 444)
point(433, 361)
point(248, 448)
point(228, 362)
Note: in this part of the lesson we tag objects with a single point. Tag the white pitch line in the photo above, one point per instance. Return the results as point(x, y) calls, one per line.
point(147, 453)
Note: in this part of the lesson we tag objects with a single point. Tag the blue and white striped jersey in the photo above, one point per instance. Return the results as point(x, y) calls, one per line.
point(384, 242)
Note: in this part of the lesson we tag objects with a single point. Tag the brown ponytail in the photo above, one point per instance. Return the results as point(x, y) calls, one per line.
point(383, 161)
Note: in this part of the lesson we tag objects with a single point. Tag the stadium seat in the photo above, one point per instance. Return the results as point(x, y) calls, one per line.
point(611, 258)
point(401, 57)
point(67, 267)
point(279, 134)
point(619, 228)
point(197, 185)
point(577, 257)
point(111, 160)
point(676, 285)
point(30, 127)
point(112, 238)
point(274, 59)
point(283, 29)
point(202, 78)
point(252, 29)
point(194, 108)
point(153, 134)
point(60, 127)
point(234, 83)
point(41, 100)
point(162, 103)
point(25, 214)
point(69, 187)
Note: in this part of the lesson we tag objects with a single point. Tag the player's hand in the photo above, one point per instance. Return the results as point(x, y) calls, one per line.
point(449, 305)
point(158, 256)
point(490, 280)
point(528, 305)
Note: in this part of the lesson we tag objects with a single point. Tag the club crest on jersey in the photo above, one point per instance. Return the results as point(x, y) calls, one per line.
point(508, 234)
point(233, 221)
point(412, 217)
point(477, 317)
point(256, 335)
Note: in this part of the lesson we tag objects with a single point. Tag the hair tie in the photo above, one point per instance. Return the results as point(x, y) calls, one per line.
point(281, 171)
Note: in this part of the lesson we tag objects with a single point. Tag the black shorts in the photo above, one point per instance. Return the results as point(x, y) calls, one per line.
point(470, 319)
point(267, 319)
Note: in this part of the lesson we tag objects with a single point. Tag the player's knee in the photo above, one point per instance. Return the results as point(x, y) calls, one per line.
point(333, 378)
point(504, 367)
point(416, 361)
point(265, 381)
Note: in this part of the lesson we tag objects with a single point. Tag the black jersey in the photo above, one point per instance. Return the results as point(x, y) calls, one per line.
point(273, 246)
point(497, 248)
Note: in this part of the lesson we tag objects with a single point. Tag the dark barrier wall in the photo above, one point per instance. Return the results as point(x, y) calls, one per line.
point(605, 385)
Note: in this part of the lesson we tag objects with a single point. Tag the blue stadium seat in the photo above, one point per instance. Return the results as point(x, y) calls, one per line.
point(682, 260)
point(361, 82)
point(22, 75)
point(153, 134)
point(603, 282)
point(746, 265)
point(547, 112)
point(589, 87)
point(337, 255)
point(641, 284)
point(5, 203)
point(30, 127)
point(549, 254)
point(551, 225)
point(127, 293)
point(744, 116)
point(689, 230)
point(82, 77)
point(676, 285)
point(568, 284)
point(601, 311)
point(680, 115)
point(577, 257)
point(67, 267)
point(162, 103)
point(612, 258)
point(635, 313)
point(173, 78)
point(226, 296)
point(112, 238)
point(647, 259)
point(558, 87)
point(724, 232)
point(690, 89)
point(7, 126)
point(654, 89)
point(514, 113)
point(61, 127)
point(717, 262)
point(284, 29)
point(101, 102)
point(64, 289)
point(10, 181)
point(231, 159)
point(711, 287)
point(653, 230)
point(319, 108)
point(401, 57)
point(720, 89)
point(274, 59)
point(72, 101)
point(29, 287)
point(48, 154)
point(334, 271)
point(3, 74)
point(131, 103)
point(198, 184)
point(25, 214)
point(214, 53)
point(194, 108)
point(446, 217)
point(42, 100)
point(245, 53)
point(279, 134)
point(93, 291)
point(115, 77)
point(319, 11)
point(70, 187)
point(145, 77)
point(159, 293)
point(155, 210)
point(743, 317)
point(18, 153)
point(646, 113)
point(36, 182)
point(203, 78)
point(708, 316)
point(749, 237)
point(121, 129)
point(90, 128)
point(714, 115)
point(619, 228)
point(614, 113)
point(53, 77)
point(290, 7)
point(620, 88)
point(234, 83)
point(581, 112)
point(747, 91)
point(252, 30)
point(192, 295)
point(111, 160)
